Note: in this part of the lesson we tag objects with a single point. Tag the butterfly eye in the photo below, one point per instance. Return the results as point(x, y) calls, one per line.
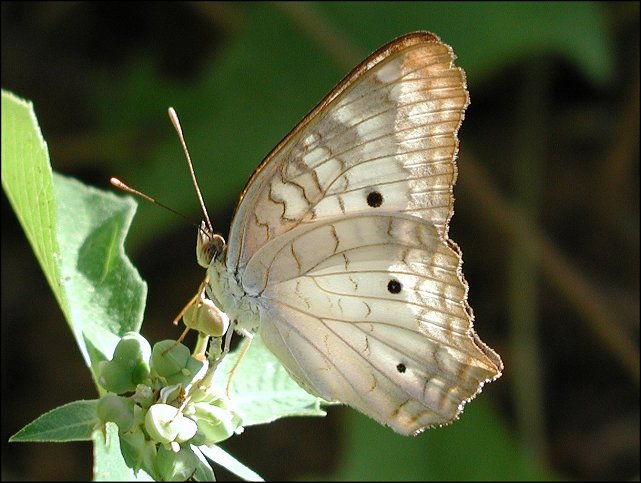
point(400, 367)
point(394, 286)
point(374, 199)
point(208, 246)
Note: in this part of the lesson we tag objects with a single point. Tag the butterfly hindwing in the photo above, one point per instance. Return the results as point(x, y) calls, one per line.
point(375, 319)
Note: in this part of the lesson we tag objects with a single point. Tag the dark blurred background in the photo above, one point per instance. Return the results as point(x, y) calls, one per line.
point(547, 212)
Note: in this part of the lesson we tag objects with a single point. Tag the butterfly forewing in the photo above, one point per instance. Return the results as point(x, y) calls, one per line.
point(340, 239)
point(390, 130)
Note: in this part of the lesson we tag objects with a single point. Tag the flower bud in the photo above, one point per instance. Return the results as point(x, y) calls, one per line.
point(129, 366)
point(174, 362)
point(118, 409)
point(175, 466)
point(214, 423)
point(164, 424)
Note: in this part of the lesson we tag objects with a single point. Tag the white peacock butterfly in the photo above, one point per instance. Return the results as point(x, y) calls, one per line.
point(338, 252)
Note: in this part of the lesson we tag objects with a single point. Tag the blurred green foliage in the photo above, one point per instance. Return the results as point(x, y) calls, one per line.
point(241, 75)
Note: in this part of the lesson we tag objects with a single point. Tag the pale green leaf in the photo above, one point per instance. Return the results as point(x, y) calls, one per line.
point(220, 456)
point(262, 390)
point(77, 233)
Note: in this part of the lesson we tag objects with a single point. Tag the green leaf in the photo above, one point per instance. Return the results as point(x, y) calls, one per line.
point(77, 233)
point(103, 288)
point(28, 184)
point(261, 389)
point(74, 421)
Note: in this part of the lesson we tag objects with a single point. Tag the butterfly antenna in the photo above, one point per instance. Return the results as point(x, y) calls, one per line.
point(128, 189)
point(174, 119)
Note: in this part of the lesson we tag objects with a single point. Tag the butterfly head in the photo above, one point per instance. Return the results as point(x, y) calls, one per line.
point(209, 246)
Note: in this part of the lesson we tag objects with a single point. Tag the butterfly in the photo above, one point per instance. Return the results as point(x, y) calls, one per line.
point(338, 252)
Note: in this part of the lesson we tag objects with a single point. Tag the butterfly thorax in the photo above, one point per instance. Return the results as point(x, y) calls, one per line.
point(222, 286)
point(227, 293)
